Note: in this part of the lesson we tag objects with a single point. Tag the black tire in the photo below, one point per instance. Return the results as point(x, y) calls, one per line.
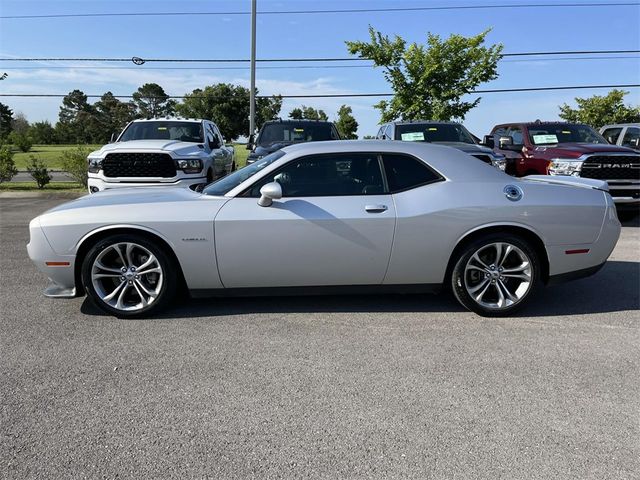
point(168, 278)
point(461, 277)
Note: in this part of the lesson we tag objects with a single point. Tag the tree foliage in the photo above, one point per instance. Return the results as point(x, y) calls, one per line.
point(346, 123)
point(6, 117)
point(8, 168)
point(600, 110)
point(42, 133)
point(20, 124)
point(152, 101)
point(38, 171)
point(74, 162)
point(113, 115)
point(77, 122)
point(429, 81)
point(21, 141)
point(308, 113)
point(228, 106)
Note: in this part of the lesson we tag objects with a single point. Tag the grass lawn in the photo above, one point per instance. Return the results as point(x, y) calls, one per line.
point(51, 155)
point(32, 187)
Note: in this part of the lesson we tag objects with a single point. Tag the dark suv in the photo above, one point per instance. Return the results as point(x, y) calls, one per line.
point(276, 134)
point(450, 134)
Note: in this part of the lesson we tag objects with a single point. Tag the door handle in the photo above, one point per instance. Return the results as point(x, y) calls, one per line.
point(376, 208)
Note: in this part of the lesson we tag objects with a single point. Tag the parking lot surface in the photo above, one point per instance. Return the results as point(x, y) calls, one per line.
point(320, 387)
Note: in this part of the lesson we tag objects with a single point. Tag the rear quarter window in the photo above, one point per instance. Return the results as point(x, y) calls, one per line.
point(405, 172)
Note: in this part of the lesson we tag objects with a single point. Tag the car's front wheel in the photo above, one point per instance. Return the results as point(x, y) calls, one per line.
point(496, 274)
point(128, 276)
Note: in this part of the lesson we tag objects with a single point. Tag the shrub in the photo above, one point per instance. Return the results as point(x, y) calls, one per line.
point(8, 168)
point(38, 171)
point(74, 162)
point(21, 141)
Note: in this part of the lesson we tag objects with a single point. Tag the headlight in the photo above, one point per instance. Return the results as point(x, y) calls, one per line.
point(565, 166)
point(500, 163)
point(95, 164)
point(189, 166)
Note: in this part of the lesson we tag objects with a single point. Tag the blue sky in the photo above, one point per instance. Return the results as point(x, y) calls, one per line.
point(316, 35)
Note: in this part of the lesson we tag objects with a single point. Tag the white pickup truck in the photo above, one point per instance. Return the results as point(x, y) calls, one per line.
point(172, 152)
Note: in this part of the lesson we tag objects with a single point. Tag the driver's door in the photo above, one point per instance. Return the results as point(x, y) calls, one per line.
point(333, 226)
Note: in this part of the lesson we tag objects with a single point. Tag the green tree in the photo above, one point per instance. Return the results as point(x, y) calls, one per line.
point(600, 110)
point(308, 113)
point(346, 123)
point(112, 115)
point(6, 117)
point(152, 101)
point(78, 122)
point(8, 168)
point(38, 171)
point(42, 133)
point(20, 124)
point(74, 162)
point(429, 81)
point(21, 141)
point(228, 106)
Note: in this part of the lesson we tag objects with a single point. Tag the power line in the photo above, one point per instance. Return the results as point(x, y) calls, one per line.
point(341, 95)
point(292, 60)
point(296, 67)
point(316, 12)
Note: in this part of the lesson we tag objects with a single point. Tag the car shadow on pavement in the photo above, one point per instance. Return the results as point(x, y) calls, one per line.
point(615, 288)
point(634, 222)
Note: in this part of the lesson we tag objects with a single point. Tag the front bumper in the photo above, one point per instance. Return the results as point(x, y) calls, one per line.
point(58, 268)
point(98, 183)
point(625, 194)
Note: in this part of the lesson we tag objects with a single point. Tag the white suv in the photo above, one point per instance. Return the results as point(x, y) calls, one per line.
point(623, 134)
point(171, 151)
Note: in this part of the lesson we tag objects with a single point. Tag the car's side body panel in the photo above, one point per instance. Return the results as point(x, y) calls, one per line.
point(313, 241)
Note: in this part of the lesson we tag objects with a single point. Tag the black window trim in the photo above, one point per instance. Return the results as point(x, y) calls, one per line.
point(439, 177)
point(385, 179)
point(245, 192)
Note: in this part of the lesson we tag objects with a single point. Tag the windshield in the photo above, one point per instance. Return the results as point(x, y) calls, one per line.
point(554, 133)
point(294, 133)
point(433, 133)
point(231, 181)
point(163, 130)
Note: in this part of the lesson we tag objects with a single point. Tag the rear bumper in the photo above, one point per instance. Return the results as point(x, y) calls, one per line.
point(97, 184)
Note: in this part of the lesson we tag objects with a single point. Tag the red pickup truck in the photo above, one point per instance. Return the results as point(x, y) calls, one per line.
point(558, 148)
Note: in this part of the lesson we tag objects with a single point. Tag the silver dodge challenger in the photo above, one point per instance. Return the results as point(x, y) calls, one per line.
point(331, 217)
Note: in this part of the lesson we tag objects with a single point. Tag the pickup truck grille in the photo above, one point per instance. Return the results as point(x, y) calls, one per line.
point(139, 165)
point(612, 167)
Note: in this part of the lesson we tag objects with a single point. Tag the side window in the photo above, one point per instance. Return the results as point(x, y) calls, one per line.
point(327, 175)
point(612, 134)
point(389, 132)
point(334, 134)
point(208, 132)
point(631, 137)
point(500, 131)
point(405, 172)
point(516, 133)
point(380, 133)
point(217, 130)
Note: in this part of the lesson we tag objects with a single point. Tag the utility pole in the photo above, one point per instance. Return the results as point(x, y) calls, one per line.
point(252, 100)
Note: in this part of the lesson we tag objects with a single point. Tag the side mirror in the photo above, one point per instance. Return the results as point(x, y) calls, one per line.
point(268, 193)
point(635, 142)
point(506, 142)
point(113, 137)
point(214, 143)
point(250, 142)
point(488, 141)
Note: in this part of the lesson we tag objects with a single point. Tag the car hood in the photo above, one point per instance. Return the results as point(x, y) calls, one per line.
point(130, 196)
point(574, 150)
point(466, 147)
point(170, 146)
point(261, 151)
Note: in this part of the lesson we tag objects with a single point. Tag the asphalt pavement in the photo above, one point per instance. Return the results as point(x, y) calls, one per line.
point(320, 387)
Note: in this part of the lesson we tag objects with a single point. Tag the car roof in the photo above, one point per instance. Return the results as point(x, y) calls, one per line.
point(409, 122)
point(615, 125)
point(449, 161)
point(292, 120)
point(537, 122)
point(170, 119)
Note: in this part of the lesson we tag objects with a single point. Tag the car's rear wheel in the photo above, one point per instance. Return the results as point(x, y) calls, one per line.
point(129, 276)
point(495, 275)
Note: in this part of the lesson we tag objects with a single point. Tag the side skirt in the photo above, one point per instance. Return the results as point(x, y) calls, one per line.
point(321, 290)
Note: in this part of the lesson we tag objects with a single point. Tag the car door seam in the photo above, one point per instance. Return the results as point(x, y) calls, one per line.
point(393, 237)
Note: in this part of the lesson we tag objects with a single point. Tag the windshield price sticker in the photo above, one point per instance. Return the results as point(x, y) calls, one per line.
point(545, 139)
point(412, 136)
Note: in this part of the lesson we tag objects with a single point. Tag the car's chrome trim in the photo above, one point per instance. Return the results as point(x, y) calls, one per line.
point(58, 291)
